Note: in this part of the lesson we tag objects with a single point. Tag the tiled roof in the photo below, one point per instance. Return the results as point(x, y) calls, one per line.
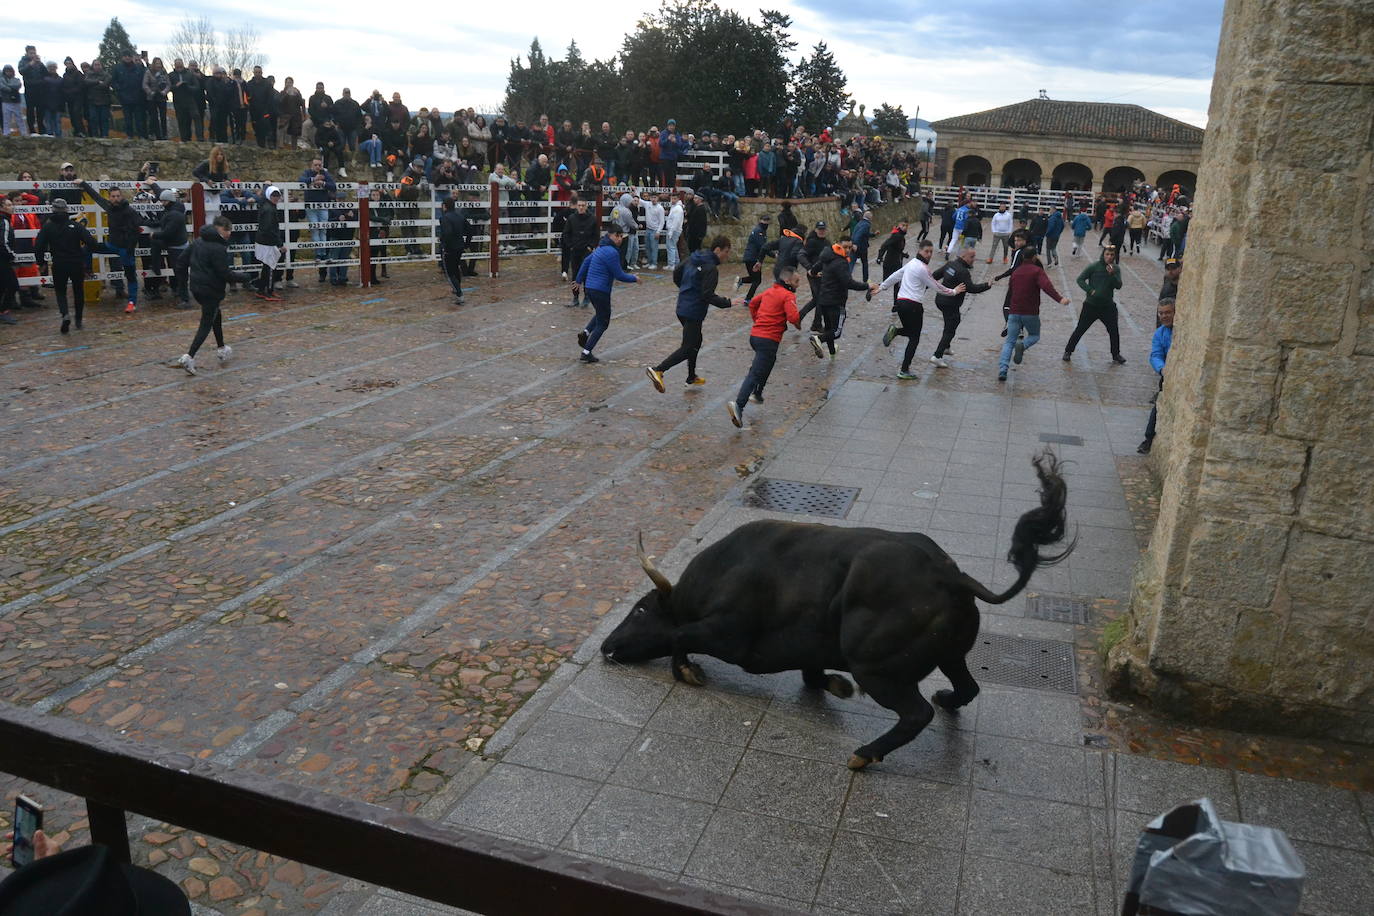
point(1086, 120)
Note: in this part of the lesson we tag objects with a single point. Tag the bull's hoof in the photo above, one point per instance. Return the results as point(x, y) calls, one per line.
point(858, 762)
point(690, 673)
point(839, 686)
point(945, 700)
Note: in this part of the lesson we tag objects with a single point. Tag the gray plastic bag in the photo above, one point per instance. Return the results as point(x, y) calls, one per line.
point(1189, 861)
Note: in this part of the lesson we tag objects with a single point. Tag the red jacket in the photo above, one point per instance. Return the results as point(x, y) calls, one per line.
point(772, 310)
point(1027, 282)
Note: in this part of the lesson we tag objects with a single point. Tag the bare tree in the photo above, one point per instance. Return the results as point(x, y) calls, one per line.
point(195, 39)
point(242, 48)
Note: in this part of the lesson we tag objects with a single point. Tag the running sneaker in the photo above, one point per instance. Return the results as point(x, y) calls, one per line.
point(292, 284)
point(187, 362)
point(890, 334)
point(129, 309)
point(1067, 355)
point(589, 358)
point(224, 353)
point(694, 381)
point(938, 362)
point(735, 417)
point(565, 275)
point(656, 377)
point(1002, 376)
point(1018, 352)
point(816, 345)
point(1119, 359)
point(66, 325)
point(582, 339)
point(756, 398)
point(907, 376)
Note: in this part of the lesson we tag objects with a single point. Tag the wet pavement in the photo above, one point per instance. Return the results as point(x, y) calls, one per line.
point(347, 558)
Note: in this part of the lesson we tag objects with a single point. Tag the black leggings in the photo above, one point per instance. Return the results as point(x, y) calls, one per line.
point(752, 277)
point(1086, 318)
point(210, 320)
point(691, 345)
point(75, 274)
point(912, 316)
point(832, 317)
point(452, 261)
point(952, 319)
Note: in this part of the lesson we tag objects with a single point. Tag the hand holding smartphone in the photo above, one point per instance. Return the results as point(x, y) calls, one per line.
point(28, 820)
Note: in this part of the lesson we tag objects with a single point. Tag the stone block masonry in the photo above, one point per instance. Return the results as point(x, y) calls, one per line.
point(120, 160)
point(1254, 606)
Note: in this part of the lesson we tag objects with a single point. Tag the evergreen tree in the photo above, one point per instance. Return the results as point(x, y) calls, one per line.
point(114, 44)
point(818, 93)
point(890, 122)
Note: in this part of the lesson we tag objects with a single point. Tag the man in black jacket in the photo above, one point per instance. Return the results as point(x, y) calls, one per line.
point(219, 95)
point(33, 70)
point(262, 107)
point(809, 260)
point(952, 274)
point(580, 236)
point(188, 101)
point(71, 247)
point(454, 232)
point(697, 221)
point(833, 288)
point(74, 97)
point(208, 264)
point(348, 117)
point(169, 237)
point(892, 253)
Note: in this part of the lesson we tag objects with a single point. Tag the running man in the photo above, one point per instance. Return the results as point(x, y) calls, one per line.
point(772, 310)
point(1026, 286)
point(832, 291)
point(1082, 222)
point(454, 232)
point(955, 271)
point(915, 279)
point(696, 292)
point(596, 276)
point(1099, 279)
point(209, 275)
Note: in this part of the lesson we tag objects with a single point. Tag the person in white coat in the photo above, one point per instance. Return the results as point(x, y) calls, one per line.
point(654, 219)
point(915, 279)
point(677, 215)
point(1001, 233)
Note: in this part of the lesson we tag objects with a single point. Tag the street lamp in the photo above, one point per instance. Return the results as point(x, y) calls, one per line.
point(930, 161)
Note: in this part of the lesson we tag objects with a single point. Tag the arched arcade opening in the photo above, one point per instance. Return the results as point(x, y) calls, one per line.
point(1071, 176)
point(1021, 173)
point(971, 171)
point(1121, 178)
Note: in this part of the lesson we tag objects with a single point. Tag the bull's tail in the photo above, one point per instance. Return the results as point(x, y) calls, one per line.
point(1037, 528)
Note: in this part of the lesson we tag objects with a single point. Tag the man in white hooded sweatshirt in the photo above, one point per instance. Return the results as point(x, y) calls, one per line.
point(654, 219)
point(915, 279)
point(677, 215)
point(626, 216)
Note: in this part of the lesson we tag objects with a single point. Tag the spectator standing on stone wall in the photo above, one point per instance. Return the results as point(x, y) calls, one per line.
point(50, 100)
point(74, 96)
point(156, 86)
point(290, 114)
point(188, 100)
point(11, 104)
point(98, 99)
point(32, 70)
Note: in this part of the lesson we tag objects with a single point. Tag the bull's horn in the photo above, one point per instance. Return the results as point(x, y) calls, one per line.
point(660, 581)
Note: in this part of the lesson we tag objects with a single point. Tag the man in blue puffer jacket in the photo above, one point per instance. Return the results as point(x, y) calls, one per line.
point(596, 276)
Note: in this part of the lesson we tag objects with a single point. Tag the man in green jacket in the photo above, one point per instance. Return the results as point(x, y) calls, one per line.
point(1099, 279)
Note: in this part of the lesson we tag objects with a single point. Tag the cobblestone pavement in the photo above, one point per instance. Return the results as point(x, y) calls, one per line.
point(347, 557)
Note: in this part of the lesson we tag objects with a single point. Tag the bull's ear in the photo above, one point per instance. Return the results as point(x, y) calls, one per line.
point(665, 588)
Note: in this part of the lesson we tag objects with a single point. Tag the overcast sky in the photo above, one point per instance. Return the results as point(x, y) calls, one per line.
point(946, 58)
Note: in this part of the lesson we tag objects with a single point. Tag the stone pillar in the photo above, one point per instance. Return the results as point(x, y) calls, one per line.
point(1254, 606)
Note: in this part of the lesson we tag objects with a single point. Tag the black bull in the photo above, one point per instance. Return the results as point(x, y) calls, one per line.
point(889, 607)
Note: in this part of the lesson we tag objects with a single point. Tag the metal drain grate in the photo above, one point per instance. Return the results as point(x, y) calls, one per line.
point(802, 498)
point(1018, 662)
point(1061, 439)
point(1058, 608)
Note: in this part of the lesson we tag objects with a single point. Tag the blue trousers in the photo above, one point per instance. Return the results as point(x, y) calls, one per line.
point(765, 355)
point(1015, 324)
point(601, 318)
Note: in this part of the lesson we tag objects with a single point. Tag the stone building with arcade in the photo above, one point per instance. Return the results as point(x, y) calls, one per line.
point(1060, 145)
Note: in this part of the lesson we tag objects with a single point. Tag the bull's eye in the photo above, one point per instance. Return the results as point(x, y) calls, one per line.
point(638, 609)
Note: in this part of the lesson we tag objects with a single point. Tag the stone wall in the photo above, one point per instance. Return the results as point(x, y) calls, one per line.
point(1254, 606)
point(808, 211)
point(120, 159)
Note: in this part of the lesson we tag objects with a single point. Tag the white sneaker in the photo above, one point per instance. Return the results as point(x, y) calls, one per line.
point(937, 361)
point(224, 353)
point(343, 172)
point(565, 275)
point(187, 362)
point(292, 284)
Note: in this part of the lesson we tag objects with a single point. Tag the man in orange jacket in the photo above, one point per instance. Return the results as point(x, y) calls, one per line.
point(773, 310)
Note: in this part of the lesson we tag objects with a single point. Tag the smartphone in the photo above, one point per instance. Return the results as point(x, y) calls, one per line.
point(28, 820)
point(152, 168)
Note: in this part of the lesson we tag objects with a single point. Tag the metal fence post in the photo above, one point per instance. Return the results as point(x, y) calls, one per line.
point(364, 234)
point(197, 208)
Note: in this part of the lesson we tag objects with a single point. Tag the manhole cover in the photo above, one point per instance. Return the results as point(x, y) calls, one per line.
point(1061, 439)
point(802, 498)
point(1059, 608)
point(1019, 662)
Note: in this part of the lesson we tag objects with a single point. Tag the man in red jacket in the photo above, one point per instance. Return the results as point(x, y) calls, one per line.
point(1027, 283)
point(773, 310)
